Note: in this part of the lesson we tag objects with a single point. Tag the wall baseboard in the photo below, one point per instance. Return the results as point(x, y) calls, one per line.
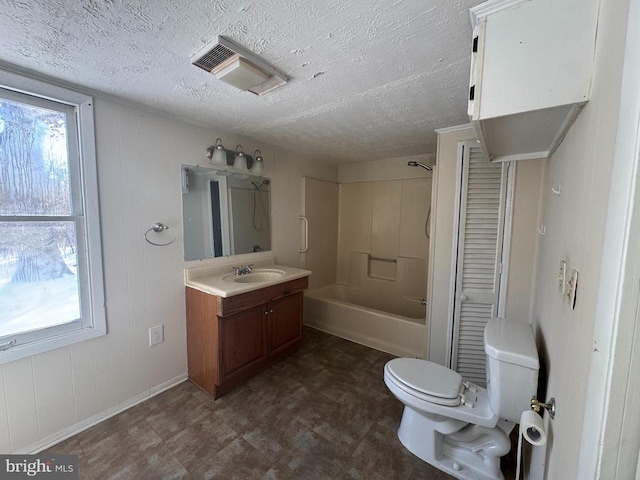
point(69, 432)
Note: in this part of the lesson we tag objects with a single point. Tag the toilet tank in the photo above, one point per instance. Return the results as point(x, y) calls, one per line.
point(512, 367)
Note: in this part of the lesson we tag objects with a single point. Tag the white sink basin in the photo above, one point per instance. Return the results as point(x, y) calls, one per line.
point(257, 276)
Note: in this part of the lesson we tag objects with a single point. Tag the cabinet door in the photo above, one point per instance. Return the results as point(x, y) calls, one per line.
point(285, 323)
point(243, 346)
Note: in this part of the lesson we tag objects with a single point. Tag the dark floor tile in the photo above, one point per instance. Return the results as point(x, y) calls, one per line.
point(424, 471)
point(311, 458)
point(182, 392)
point(369, 375)
point(368, 402)
point(380, 453)
point(322, 413)
point(313, 337)
point(119, 450)
point(325, 416)
point(331, 382)
point(199, 441)
point(71, 446)
point(66, 447)
point(107, 427)
point(243, 407)
point(275, 433)
point(273, 383)
point(310, 406)
point(175, 416)
point(301, 367)
point(237, 461)
point(344, 427)
point(390, 415)
point(154, 465)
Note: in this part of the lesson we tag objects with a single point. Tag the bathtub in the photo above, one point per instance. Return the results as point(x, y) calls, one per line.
point(389, 323)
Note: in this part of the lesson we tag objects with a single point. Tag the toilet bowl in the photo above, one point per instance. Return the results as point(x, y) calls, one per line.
point(456, 426)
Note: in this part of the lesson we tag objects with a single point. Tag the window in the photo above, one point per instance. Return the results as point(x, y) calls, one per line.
point(51, 287)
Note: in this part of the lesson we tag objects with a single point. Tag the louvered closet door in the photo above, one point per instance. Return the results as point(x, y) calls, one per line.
point(481, 232)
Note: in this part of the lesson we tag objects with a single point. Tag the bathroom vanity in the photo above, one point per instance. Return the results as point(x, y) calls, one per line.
point(238, 325)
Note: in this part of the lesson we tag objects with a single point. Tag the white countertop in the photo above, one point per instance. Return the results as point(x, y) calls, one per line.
point(219, 279)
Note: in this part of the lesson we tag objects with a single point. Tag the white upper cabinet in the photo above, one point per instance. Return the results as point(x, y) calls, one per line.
point(530, 73)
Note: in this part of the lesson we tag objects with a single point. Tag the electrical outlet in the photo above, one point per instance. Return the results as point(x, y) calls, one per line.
point(562, 277)
point(156, 335)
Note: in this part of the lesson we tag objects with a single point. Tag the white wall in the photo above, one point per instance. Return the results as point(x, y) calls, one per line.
point(49, 396)
point(286, 191)
point(575, 227)
point(524, 239)
point(320, 205)
point(384, 170)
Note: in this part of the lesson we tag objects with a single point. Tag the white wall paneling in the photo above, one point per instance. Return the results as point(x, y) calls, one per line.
point(5, 440)
point(21, 406)
point(576, 222)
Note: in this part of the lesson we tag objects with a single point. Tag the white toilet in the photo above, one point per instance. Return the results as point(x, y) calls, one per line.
point(458, 427)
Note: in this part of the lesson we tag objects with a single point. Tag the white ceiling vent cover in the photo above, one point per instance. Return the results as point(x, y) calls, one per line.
point(238, 66)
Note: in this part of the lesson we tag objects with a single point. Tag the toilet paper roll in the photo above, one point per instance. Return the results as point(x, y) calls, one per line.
point(532, 428)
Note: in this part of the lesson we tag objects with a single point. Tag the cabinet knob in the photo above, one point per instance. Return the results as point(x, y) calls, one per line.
point(271, 311)
point(266, 312)
point(463, 298)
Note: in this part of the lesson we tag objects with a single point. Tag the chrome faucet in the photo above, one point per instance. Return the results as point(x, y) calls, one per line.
point(242, 269)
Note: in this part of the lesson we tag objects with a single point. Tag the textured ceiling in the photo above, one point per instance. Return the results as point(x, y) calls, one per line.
point(369, 79)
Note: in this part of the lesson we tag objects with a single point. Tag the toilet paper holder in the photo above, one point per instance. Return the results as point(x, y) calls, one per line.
point(550, 406)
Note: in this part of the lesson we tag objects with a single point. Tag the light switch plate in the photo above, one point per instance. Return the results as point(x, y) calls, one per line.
point(562, 277)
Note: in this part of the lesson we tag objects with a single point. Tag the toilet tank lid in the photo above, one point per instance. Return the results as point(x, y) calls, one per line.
point(511, 341)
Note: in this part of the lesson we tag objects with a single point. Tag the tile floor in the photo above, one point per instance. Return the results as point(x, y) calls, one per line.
point(323, 413)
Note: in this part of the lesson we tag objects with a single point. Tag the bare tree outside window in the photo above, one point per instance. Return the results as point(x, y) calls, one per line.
point(38, 269)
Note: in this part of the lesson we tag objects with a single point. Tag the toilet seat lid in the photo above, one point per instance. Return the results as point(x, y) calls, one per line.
point(426, 377)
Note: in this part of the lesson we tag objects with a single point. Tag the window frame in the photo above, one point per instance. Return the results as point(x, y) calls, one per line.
point(84, 191)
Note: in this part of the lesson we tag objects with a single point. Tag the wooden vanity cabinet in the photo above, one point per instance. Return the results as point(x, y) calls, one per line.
point(242, 345)
point(284, 325)
point(231, 339)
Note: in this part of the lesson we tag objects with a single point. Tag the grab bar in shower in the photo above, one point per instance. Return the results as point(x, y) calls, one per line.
point(383, 259)
point(306, 234)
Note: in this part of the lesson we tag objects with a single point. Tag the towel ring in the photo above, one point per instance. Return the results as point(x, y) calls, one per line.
point(157, 227)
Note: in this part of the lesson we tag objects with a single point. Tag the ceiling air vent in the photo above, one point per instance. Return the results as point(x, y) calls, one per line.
point(238, 66)
point(212, 57)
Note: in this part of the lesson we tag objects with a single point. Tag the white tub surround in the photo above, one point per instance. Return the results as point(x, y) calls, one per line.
point(379, 307)
point(331, 310)
point(220, 279)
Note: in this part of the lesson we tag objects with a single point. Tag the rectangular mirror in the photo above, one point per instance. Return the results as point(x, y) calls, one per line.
point(224, 213)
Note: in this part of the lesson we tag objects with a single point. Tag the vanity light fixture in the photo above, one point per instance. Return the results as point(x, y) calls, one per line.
point(258, 162)
point(217, 154)
point(238, 66)
point(240, 160)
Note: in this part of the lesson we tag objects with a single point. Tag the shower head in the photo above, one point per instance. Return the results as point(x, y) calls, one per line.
point(418, 164)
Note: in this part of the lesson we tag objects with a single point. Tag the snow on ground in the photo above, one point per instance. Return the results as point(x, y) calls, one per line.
point(31, 306)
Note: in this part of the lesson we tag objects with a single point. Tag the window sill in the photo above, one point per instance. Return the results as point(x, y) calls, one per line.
point(34, 348)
